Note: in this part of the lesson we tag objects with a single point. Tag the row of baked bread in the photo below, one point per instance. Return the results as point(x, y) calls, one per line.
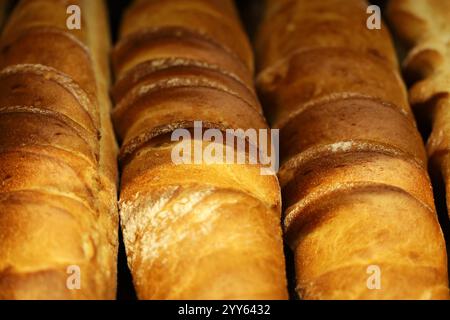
point(358, 205)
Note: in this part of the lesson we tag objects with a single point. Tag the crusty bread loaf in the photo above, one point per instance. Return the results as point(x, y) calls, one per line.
point(58, 170)
point(203, 231)
point(424, 28)
point(356, 193)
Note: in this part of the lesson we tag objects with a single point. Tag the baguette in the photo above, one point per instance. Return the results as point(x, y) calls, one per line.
point(356, 193)
point(58, 175)
point(4, 5)
point(203, 231)
point(423, 27)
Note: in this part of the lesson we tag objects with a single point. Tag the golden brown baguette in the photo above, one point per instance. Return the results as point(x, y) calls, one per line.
point(57, 152)
point(356, 193)
point(204, 231)
point(424, 27)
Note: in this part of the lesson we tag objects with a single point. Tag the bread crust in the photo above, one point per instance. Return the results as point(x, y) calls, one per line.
point(213, 20)
point(318, 30)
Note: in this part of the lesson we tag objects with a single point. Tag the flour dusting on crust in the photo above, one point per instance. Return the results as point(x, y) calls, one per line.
point(341, 146)
point(153, 222)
